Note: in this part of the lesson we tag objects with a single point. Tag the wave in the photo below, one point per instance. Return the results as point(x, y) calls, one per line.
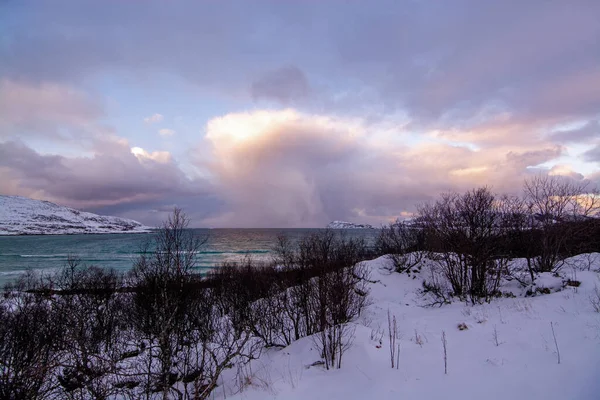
point(130, 254)
point(44, 255)
point(17, 272)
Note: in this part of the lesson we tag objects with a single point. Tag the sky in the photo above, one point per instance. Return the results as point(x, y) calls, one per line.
point(292, 113)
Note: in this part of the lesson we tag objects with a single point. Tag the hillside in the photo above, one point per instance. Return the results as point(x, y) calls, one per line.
point(24, 216)
point(506, 349)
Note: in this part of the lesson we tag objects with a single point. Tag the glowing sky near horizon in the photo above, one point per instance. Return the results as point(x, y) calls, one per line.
point(292, 113)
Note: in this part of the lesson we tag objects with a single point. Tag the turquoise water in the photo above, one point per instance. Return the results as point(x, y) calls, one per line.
point(118, 251)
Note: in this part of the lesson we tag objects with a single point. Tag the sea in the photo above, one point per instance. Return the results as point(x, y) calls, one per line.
point(49, 253)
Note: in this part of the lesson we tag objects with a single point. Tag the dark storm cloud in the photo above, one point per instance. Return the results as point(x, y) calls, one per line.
point(114, 177)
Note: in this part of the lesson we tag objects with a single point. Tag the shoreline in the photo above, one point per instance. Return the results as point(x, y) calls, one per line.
point(74, 233)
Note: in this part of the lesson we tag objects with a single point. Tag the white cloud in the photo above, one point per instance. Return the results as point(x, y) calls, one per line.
point(166, 132)
point(162, 157)
point(154, 118)
point(288, 168)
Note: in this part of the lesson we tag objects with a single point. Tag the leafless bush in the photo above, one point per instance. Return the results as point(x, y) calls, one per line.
point(326, 283)
point(332, 342)
point(402, 244)
point(463, 233)
point(327, 289)
point(30, 342)
point(164, 331)
point(95, 335)
point(190, 333)
point(437, 287)
point(377, 335)
point(165, 298)
point(558, 207)
point(336, 301)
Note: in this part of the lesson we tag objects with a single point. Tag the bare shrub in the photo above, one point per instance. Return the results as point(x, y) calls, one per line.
point(95, 335)
point(559, 208)
point(327, 289)
point(30, 341)
point(337, 300)
point(332, 342)
point(437, 287)
point(189, 333)
point(165, 297)
point(402, 244)
point(463, 234)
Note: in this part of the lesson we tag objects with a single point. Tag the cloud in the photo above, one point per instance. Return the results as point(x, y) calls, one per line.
point(590, 130)
point(162, 157)
point(166, 132)
point(410, 99)
point(154, 119)
point(536, 58)
point(287, 168)
point(117, 175)
point(284, 85)
point(593, 154)
point(45, 110)
point(565, 170)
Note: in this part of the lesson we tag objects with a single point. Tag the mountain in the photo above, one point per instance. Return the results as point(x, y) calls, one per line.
point(24, 216)
point(348, 225)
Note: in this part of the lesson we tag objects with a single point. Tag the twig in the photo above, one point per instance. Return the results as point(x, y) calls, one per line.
point(555, 342)
point(445, 353)
point(392, 335)
point(495, 336)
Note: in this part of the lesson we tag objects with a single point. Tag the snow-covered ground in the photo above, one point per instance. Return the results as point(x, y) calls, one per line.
point(21, 215)
point(507, 351)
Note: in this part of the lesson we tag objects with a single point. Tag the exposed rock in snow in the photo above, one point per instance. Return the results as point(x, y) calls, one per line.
point(348, 225)
point(24, 216)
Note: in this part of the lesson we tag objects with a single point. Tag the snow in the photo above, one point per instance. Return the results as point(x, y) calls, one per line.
point(347, 225)
point(522, 365)
point(24, 216)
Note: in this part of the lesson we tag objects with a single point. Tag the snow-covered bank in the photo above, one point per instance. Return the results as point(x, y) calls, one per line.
point(24, 216)
point(507, 351)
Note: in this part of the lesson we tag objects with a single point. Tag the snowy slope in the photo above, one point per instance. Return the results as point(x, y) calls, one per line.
point(347, 225)
point(507, 352)
point(24, 216)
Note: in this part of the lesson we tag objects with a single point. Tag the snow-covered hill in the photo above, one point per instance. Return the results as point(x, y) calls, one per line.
point(24, 216)
point(505, 349)
point(348, 225)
